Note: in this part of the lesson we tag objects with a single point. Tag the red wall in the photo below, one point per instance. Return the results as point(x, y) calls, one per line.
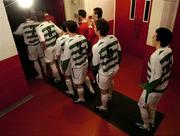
point(56, 8)
point(111, 23)
point(13, 85)
point(148, 51)
point(176, 46)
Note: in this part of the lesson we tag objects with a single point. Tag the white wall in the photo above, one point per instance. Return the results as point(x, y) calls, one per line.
point(7, 44)
point(106, 5)
point(72, 6)
point(163, 14)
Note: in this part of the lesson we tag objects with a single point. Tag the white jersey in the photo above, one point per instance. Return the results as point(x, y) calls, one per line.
point(159, 69)
point(27, 29)
point(106, 55)
point(60, 42)
point(48, 33)
point(75, 52)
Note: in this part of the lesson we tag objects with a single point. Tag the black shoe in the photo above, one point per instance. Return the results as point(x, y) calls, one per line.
point(70, 93)
point(152, 125)
point(140, 125)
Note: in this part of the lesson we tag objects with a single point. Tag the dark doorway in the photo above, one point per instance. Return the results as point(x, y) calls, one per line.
point(15, 17)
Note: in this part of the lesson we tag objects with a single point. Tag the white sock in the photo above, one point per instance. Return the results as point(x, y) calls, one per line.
point(104, 100)
point(37, 68)
point(55, 72)
point(152, 115)
point(110, 93)
point(88, 84)
point(44, 66)
point(69, 85)
point(145, 117)
point(80, 92)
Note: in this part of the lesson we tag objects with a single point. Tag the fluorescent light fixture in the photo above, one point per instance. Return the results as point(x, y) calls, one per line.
point(25, 3)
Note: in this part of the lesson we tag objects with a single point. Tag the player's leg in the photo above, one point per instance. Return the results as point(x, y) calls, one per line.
point(49, 58)
point(78, 80)
point(143, 106)
point(111, 88)
point(69, 85)
point(103, 83)
point(33, 56)
point(41, 58)
point(55, 72)
point(88, 84)
point(153, 101)
point(80, 92)
point(44, 66)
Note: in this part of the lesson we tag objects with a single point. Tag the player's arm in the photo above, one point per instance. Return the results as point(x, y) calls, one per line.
point(41, 37)
point(19, 30)
point(65, 60)
point(58, 48)
point(119, 51)
point(154, 76)
point(58, 30)
point(95, 60)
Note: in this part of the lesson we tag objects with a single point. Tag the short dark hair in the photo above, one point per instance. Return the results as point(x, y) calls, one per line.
point(103, 26)
point(98, 11)
point(164, 35)
point(82, 13)
point(72, 26)
point(40, 15)
point(27, 14)
point(63, 26)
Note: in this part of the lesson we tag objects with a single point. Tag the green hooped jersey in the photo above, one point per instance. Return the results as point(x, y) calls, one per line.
point(159, 70)
point(28, 30)
point(60, 42)
point(47, 33)
point(107, 55)
point(75, 52)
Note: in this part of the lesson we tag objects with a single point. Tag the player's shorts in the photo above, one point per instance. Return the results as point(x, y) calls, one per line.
point(49, 53)
point(35, 52)
point(104, 81)
point(152, 101)
point(79, 74)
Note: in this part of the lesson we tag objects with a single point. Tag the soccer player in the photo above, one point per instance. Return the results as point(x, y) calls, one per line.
point(48, 17)
point(97, 14)
point(60, 43)
point(83, 24)
point(27, 29)
point(48, 33)
point(84, 29)
point(158, 74)
point(75, 54)
point(106, 60)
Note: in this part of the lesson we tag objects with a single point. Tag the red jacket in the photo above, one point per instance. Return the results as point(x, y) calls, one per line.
point(83, 29)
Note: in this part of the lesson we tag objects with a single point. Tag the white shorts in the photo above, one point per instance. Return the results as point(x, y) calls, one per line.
point(79, 74)
point(104, 81)
point(152, 101)
point(35, 52)
point(49, 53)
